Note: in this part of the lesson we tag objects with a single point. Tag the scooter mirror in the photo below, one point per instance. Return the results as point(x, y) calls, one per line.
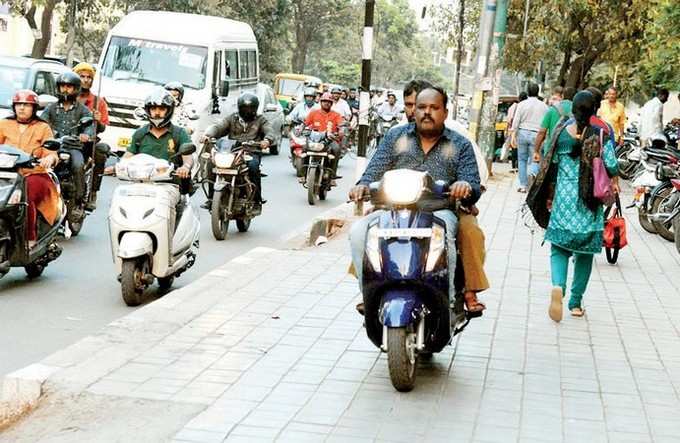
point(51, 145)
point(139, 113)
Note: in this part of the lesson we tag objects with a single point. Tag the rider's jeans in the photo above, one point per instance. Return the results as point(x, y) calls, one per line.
point(359, 232)
point(78, 173)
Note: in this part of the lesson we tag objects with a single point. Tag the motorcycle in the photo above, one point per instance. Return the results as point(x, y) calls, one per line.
point(664, 201)
point(234, 192)
point(405, 283)
point(317, 158)
point(14, 250)
point(385, 123)
point(154, 228)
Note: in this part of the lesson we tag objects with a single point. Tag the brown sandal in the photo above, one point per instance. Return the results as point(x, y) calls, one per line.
point(577, 312)
point(473, 305)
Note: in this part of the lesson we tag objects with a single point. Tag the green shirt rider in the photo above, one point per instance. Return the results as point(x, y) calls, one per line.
point(160, 138)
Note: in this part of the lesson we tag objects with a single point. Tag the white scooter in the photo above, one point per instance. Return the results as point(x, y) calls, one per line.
point(154, 229)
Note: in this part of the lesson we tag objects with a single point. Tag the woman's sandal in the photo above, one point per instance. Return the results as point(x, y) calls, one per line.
point(577, 312)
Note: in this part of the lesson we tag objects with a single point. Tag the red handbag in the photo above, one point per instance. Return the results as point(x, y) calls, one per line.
point(614, 235)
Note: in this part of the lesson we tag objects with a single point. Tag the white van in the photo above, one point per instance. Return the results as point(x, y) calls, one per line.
point(214, 58)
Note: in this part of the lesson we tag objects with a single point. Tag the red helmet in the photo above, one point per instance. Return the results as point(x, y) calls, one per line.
point(25, 96)
point(326, 97)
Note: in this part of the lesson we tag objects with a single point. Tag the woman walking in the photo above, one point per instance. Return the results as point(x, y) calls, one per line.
point(576, 217)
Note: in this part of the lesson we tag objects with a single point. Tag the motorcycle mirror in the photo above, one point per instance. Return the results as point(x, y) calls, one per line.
point(85, 121)
point(139, 113)
point(51, 145)
point(186, 149)
point(44, 100)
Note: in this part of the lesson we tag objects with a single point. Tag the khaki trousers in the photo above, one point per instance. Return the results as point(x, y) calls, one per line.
point(470, 243)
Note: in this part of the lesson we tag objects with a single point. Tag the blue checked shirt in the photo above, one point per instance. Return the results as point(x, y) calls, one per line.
point(451, 159)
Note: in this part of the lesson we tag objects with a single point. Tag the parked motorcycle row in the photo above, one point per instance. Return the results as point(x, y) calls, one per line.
point(654, 173)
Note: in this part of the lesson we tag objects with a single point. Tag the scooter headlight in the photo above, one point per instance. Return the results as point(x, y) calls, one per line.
point(403, 186)
point(437, 246)
point(373, 248)
point(140, 171)
point(224, 159)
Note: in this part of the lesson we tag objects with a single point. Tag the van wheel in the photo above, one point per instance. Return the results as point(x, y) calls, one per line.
point(402, 358)
point(34, 270)
point(129, 277)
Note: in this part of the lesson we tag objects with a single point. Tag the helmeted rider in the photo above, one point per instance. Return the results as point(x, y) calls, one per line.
point(340, 105)
point(324, 119)
point(243, 125)
point(97, 150)
point(390, 109)
point(26, 131)
point(180, 117)
point(299, 113)
point(160, 138)
point(64, 117)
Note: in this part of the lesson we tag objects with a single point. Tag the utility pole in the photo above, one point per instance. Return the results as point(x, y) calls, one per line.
point(71, 38)
point(483, 82)
point(364, 96)
point(487, 137)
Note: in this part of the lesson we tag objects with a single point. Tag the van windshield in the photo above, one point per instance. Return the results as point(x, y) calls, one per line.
point(11, 79)
point(290, 87)
point(155, 62)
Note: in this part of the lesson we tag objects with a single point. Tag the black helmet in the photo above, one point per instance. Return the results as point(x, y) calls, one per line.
point(68, 78)
point(247, 106)
point(160, 97)
point(176, 86)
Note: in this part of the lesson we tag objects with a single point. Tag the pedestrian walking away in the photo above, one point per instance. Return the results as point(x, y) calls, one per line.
point(525, 126)
point(576, 220)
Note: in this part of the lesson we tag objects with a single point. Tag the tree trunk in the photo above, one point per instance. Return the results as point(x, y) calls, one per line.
point(40, 45)
point(459, 57)
point(566, 61)
point(579, 69)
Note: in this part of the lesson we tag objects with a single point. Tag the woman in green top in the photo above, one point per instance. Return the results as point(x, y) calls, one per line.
point(576, 218)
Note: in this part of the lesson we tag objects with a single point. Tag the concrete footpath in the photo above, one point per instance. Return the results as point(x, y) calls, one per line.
point(269, 347)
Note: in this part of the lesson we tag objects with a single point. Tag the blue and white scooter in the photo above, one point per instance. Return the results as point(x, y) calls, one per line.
point(405, 280)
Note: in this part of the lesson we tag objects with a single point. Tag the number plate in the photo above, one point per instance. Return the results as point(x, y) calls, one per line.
point(225, 171)
point(405, 232)
point(123, 142)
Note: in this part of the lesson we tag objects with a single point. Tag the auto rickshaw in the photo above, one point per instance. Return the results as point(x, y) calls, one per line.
point(288, 87)
point(504, 103)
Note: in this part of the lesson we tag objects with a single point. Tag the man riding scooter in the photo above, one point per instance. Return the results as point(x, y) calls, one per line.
point(427, 145)
point(299, 113)
point(243, 125)
point(97, 150)
point(160, 138)
point(63, 117)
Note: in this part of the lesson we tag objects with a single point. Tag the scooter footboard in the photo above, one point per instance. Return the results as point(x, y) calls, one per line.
point(399, 307)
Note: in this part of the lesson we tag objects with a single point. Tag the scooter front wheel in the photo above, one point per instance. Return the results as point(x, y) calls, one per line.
point(129, 276)
point(218, 219)
point(402, 358)
point(34, 270)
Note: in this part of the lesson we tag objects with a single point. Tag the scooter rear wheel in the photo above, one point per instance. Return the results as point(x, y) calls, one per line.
point(645, 222)
point(132, 296)
point(402, 358)
point(220, 226)
point(659, 204)
point(33, 270)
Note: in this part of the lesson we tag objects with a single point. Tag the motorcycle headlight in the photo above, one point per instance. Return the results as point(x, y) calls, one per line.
point(224, 159)
point(7, 160)
point(403, 186)
point(373, 248)
point(315, 147)
point(437, 246)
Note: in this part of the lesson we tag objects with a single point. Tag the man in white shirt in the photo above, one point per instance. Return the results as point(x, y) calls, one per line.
point(390, 108)
point(299, 113)
point(651, 117)
point(525, 126)
point(339, 105)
